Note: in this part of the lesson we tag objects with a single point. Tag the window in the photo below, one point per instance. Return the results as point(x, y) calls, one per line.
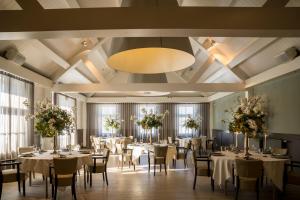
point(182, 113)
point(69, 104)
point(15, 130)
point(108, 110)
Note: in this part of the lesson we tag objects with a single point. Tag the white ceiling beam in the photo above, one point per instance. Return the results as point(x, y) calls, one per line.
point(160, 87)
point(147, 100)
point(214, 52)
point(201, 69)
point(274, 72)
point(30, 5)
point(94, 70)
point(219, 95)
point(275, 3)
point(50, 53)
point(72, 3)
point(173, 77)
point(151, 22)
point(18, 70)
point(250, 50)
point(58, 74)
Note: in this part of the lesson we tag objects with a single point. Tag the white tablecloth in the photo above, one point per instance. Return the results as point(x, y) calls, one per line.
point(273, 167)
point(140, 149)
point(184, 141)
point(40, 162)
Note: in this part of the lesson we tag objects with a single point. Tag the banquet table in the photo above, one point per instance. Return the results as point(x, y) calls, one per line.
point(39, 162)
point(223, 166)
point(140, 149)
point(184, 141)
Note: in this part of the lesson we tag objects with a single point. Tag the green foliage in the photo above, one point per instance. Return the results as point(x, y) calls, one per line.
point(192, 123)
point(151, 120)
point(111, 123)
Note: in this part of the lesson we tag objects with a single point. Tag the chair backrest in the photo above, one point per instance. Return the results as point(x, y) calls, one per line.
point(127, 141)
point(160, 151)
point(65, 165)
point(249, 168)
point(279, 151)
point(25, 149)
point(196, 143)
point(170, 141)
point(106, 153)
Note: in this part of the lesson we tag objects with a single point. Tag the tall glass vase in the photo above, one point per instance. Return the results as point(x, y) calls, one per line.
point(54, 145)
point(150, 138)
point(247, 154)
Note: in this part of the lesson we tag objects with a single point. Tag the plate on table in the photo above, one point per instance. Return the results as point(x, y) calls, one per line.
point(217, 154)
point(278, 156)
point(27, 155)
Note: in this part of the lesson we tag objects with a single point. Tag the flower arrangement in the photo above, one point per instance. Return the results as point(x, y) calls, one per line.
point(111, 123)
point(151, 120)
point(50, 120)
point(192, 123)
point(248, 117)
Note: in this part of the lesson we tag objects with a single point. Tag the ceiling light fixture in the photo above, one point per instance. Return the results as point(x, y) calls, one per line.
point(150, 55)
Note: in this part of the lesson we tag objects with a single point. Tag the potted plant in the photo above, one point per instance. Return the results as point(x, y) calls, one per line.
point(112, 124)
point(249, 119)
point(192, 124)
point(150, 121)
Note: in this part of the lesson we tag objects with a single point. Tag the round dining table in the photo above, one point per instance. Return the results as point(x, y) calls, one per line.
point(39, 162)
point(224, 164)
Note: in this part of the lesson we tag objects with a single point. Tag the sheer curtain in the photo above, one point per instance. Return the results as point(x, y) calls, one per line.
point(15, 130)
point(69, 104)
point(96, 115)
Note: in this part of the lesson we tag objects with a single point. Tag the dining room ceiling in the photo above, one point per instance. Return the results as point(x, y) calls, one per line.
point(84, 60)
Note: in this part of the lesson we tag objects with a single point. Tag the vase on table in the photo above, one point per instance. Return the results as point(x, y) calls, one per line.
point(150, 136)
point(49, 143)
point(247, 154)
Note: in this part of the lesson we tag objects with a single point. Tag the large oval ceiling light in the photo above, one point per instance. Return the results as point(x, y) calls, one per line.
point(150, 55)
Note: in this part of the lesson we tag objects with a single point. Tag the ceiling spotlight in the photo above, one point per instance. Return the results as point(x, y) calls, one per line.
point(208, 43)
point(84, 43)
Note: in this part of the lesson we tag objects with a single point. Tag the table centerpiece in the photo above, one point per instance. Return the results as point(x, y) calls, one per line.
point(50, 120)
point(249, 119)
point(192, 123)
point(112, 124)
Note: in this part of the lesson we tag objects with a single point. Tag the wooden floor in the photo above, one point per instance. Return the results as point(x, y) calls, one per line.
point(140, 185)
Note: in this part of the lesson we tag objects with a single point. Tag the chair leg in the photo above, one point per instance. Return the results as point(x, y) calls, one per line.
point(91, 179)
point(165, 168)
point(103, 176)
point(55, 189)
point(148, 163)
point(154, 166)
point(134, 167)
point(159, 167)
point(257, 189)
point(106, 178)
point(1, 184)
point(19, 185)
point(184, 162)
point(24, 191)
point(30, 178)
point(74, 190)
point(212, 182)
point(237, 189)
point(195, 180)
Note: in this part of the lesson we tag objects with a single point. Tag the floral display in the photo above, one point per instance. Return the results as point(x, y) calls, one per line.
point(248, 117)
point(111, 123)
point(51, 120)
point(192, 123)
point(151, 120)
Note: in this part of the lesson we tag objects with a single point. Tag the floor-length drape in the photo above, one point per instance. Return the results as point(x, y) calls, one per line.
point(69, 104)
point(15, 130)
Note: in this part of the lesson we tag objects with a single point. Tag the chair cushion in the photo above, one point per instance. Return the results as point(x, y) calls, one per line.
point(159, 160)
point(10, 175)
point(294, 178)
point(100, 168)
point(64, 180)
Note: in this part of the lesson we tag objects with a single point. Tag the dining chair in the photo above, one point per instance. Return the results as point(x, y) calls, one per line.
point(196, 144)
point(181, 154)
point(63, 173)
point(159, 157)
point(11, 173)
point(248, 174)
point(210, 146)
point(291, 176)
point(202, 167)
point(279, 151)
point(28, 149)
point(98, 167)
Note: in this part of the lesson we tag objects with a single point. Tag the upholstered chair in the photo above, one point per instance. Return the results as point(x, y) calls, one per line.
point(291, 174)
point(170, 140)
point(202, 167)
point(22, 150)
point(159, 157)
point(181, 154)
point(98, 167)
point(63, 173)
point(11, 173)
point(248, 174)
point(196, 144)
